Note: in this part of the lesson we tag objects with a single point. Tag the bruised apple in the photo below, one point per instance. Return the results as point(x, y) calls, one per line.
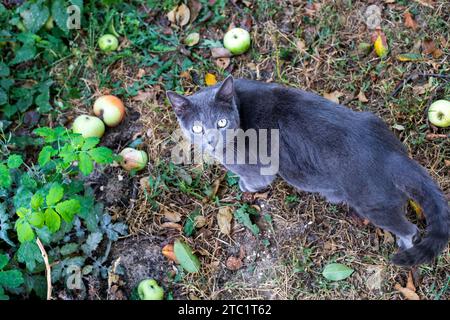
point(110, 109)
point(133, 159)
point(150, 290)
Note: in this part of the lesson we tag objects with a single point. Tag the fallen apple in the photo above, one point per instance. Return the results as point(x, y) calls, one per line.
point(110, 109)
point(88, 126)
point(237, 40)
point(439, 113)
point(108, 43)
point(133, 159)
point(150, 290)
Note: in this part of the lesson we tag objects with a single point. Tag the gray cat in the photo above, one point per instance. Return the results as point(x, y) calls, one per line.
point(324, 147)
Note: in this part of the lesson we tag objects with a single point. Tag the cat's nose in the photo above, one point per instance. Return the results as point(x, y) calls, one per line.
point(212, 141)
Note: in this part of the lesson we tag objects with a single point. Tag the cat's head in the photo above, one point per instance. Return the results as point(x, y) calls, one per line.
point(206, 115)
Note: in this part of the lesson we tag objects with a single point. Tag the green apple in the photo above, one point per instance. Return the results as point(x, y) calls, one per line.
point(133, 159)
point(150, 290)
point(108, 43)
point(439, 113)
point(88, 126)
point(237, 40)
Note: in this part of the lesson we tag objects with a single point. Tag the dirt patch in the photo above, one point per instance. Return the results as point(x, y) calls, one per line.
point(139, 258)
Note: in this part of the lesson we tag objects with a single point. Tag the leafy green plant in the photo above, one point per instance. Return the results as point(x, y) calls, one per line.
point(49, 201)
point(9, 279)
point(243, 214)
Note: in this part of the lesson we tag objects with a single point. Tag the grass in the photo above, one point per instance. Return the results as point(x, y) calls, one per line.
point(300, 232)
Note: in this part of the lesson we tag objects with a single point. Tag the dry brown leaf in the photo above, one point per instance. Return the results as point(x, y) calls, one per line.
point(434, 136)
point(144, 95)
point(375, 279)
point(171, 15)
point(167, 252)
point(183, 15)
point(199, 222)
point(409, 20)
point(233, 263)
point(300, 44)
point(210, 79)
point(426, 3)
point(195, 7)
point(141, 73)
point(171, 215)
point(410, 282)
point(263, 196)
point(429, 47)
point(389, 1)
point(222, 63)
point(362, 97)
point(220, 52)
point(180, 15)
point(447, 163)
point(406, 292)
point(224, 218)
point(172, 225)
point(333, 96)
point(387, 237)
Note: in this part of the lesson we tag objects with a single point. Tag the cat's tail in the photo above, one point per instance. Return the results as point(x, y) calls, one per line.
point(418, 185)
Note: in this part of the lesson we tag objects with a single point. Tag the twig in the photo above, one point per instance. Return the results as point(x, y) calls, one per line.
point(415, 76)
point(48, 270)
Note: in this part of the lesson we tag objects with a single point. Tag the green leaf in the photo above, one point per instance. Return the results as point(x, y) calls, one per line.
point(24, 231)
point(242, 216)
point(69, 249)
point(55, 194)
point(5, 225)
point(47, 133)
point(29, 254)
point(68, 153)
point(67, 209)
point(5, 177)
point(90, 143)
point(60, 15)
point(3, 97)
point(185, 257)
point(25, 53)
point(36, 219)
point(409, 57)
point(35, 17)
point(14, 161)
point(4, 259)
point(42, 101)
point(92, 242)
point(336, 271)
point(52, 220)
point(85, 164)
point(11, 279)
point(45, 155)
point(189, 225)
point(102, 155)
point(37, 201)
point(4, 70)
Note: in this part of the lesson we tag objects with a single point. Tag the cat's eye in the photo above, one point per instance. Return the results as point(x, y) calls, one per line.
point(197, 129)
point(222, 123)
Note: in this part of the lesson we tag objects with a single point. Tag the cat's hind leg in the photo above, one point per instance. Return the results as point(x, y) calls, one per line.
point(395, 221)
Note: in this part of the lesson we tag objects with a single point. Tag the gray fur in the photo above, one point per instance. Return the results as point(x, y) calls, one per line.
point(344, 155)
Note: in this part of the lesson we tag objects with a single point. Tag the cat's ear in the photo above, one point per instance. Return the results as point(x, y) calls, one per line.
point(226, 90)
point(179, 103)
